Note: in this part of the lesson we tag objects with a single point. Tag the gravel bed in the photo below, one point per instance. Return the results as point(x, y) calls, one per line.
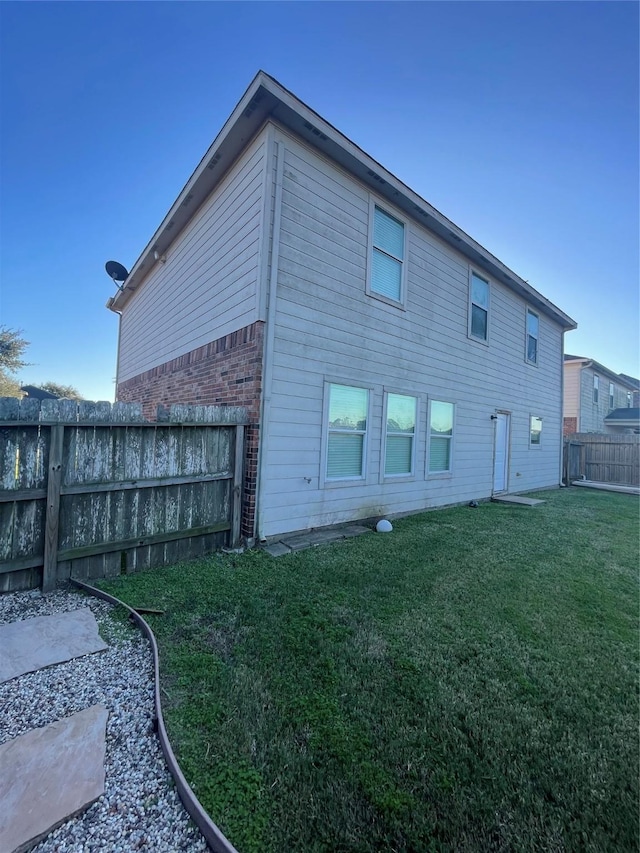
point(140, 809)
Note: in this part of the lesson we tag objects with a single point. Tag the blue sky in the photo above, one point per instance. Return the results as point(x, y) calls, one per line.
point(517, 120)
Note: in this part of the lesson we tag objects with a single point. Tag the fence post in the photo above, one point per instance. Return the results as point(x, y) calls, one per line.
point(238, 478)
point(54, 480)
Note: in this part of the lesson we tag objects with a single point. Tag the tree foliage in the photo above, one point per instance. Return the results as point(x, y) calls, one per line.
point(12, 347)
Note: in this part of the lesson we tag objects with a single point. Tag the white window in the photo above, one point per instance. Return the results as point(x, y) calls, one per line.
point(440, 436)
point(479, 293)
point(533, 325)
point(596, 387)
point(535, 431)
point(347, 432)
point(400, 435)
point(386, 274)
point(612, 395)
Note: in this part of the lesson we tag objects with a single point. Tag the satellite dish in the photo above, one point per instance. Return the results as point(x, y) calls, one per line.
point(117, 272)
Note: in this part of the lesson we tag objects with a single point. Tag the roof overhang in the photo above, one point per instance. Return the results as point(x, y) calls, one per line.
point(266, 99)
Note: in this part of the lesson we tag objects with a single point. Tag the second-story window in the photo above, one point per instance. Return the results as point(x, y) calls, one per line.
point(612, 395)
point(387, 260)
point(596, 387)
point(479, 308)
point(533, 325)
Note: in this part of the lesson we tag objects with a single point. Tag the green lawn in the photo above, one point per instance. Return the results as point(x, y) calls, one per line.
point(466, 683)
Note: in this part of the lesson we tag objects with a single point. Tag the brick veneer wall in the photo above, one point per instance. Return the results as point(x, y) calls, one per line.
point(569, 426)
point(228, 372)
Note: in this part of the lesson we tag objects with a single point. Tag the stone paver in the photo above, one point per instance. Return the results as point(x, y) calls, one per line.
point(49, 774)
point(31, 644)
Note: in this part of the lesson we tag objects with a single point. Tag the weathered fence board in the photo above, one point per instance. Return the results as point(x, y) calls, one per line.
point(91, 490)
point(603, 458)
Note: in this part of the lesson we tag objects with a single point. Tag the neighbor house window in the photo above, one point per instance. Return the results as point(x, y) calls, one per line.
point(400, 433)
point(440, 436)
point(479, 308)
point(347, 433)
point(533, 325)
point(387, 260)
point(596, 388)
point(535, 430)
point(612, 395)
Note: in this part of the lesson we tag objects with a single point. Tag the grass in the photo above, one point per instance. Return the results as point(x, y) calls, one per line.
point(466, 683)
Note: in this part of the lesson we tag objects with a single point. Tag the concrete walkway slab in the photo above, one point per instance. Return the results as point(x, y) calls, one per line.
point(517, 499)
point(50, 774)
point(607, 487)
point(310, 538)
point(32, 644)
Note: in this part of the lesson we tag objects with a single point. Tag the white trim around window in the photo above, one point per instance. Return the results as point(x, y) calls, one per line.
point(535, 431)
point(479, 307)
point(387, 255)
point(399, 433)
point(347, 410)
point(441, 430)
point(532, 337)
point(596, 387)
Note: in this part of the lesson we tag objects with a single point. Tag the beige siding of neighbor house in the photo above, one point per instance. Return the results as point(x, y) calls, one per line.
point(208, 286)
point(328, 329)
point(571, 403)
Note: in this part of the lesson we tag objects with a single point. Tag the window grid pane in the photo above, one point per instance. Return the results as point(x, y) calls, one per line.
point(532, 349)
point(479, 291)
point(388, 234)
point(478, 322)
point(439, 454)
point(398, 455)
point(386, 276)
point(348, 407)
point(344, 457)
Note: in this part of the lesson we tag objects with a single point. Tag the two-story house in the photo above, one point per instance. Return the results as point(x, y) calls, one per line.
point(389, 362)
point(597, 399)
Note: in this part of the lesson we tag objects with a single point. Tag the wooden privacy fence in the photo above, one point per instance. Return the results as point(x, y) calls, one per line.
point(603, 458)
point(93, 490)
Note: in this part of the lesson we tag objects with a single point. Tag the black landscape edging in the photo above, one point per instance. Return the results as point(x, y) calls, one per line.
point(212, 835)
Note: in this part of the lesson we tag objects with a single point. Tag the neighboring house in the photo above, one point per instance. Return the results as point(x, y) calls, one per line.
point(389, 362)
point(35, 393)
point(593, 394)
point(635, 403)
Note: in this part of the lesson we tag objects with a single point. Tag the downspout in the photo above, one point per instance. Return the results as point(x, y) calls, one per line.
point(115, 392)
point(269, 337)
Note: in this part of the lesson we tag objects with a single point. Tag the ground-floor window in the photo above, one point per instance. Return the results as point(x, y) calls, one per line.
point(347, 432)
point(400, 435)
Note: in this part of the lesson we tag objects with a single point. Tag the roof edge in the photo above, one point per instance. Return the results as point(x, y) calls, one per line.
point(263, 97)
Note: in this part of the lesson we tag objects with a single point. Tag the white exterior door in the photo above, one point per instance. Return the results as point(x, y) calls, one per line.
point(501, 453)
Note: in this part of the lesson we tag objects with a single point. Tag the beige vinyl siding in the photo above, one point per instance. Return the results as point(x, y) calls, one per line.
point(327, 329)
point(208, 286)
point(571, 403)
